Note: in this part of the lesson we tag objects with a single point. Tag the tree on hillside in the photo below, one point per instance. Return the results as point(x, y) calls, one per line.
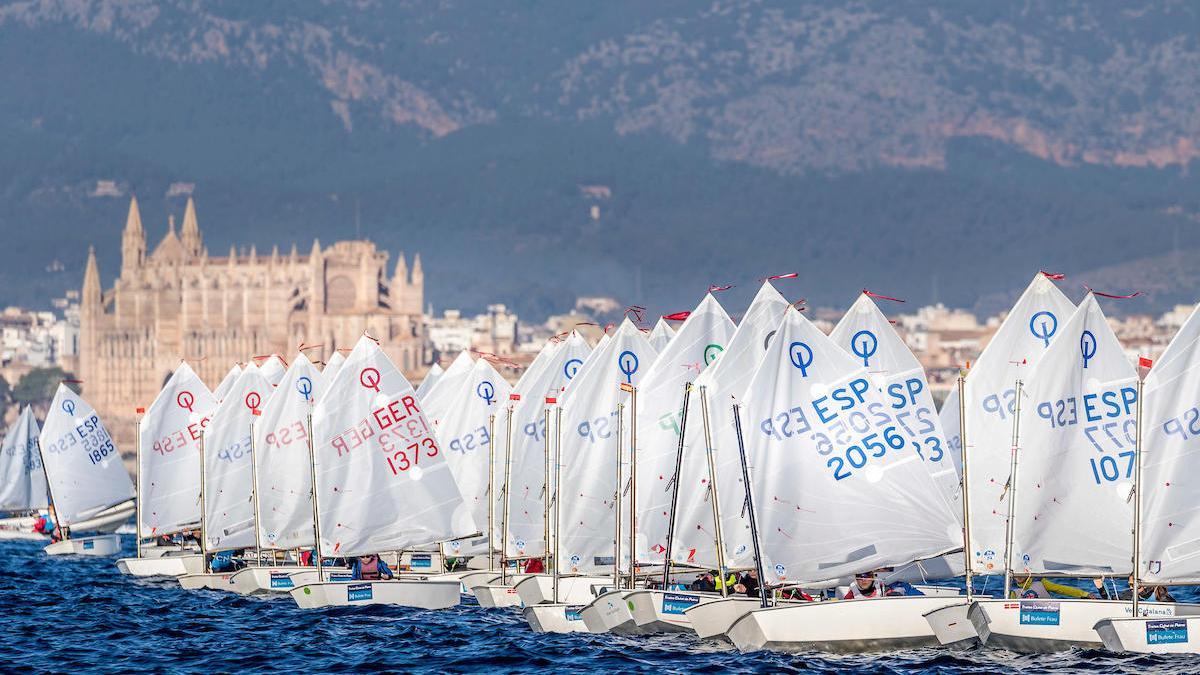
point(37, 387)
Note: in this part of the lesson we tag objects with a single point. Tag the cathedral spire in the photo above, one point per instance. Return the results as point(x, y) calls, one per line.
point(418, 275)
point(192, 241)
point(400, 278)
point(91, 281)
point(133, 241)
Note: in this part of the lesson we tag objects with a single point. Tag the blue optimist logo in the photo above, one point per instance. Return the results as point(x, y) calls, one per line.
point(486, 391)
point(864, 344)
point(570, 368)
point(802, 357)
point(304, 386)
point(1043, 325)
point(1087, 346)
point(627, 362)
point(68, 407)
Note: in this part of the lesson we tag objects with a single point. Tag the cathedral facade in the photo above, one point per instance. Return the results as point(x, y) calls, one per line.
point(177, 302)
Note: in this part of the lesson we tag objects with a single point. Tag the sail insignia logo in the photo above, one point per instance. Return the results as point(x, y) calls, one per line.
point(802, 357)
point(253, 400)
point(486, 391)
point(304, 385)
point(68, 407)
point(1045, 328)
point(571, 367)
point(186, 400)
point(627, 363)
point(1087, 346)
point(711, 352)
point(864, 344)
point(370, 378)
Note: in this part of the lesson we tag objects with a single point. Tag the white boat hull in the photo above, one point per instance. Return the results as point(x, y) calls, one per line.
point(536, 589)
point(423, 594)
point(308, 575)
point(475, 578)
point(496, 595)
point(1038, 626)
point(216, 581)
point(555, 618)
point(952, 626)
point(661, 611)
point(102, 545)
point(842, 626)
point(163, 566)
point(612, 613)
point(265, 580)
point(713, 619)
point(1148, 635)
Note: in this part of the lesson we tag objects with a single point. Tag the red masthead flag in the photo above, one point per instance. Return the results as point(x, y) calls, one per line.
point(677, 316)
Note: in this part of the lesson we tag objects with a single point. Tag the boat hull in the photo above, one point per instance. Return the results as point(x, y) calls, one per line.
point(102, 545)
point(422, 594)
point(844, 626)
point(552, 617)
point(308, 575)
point(1040, 626)
point(952, 626)
point(497, 595)
point(265, 580)
point(612, 612)
point(215, 581)
point(536, 589)
point(163, 566)
point(1149, 635)
point(665, 611)
point(711, 620)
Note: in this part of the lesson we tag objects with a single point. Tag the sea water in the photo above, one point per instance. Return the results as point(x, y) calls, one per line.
point(80, 614)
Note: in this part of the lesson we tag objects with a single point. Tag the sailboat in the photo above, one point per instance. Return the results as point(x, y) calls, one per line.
point(431, 378)
point(712, 530)
point(273, 369)
point(283, 483)
point(381, 483)
point(168, 474)
point(988, 414)
point(1073, 483)
point(838, 491)
point(1165, 517)
point(662, 420)
point(469, 431)
point(599, 435)
point(661, 335)
point(227, 481)
point(227, 382)
point(85, 476)
point(332, 366)
point(22, 479)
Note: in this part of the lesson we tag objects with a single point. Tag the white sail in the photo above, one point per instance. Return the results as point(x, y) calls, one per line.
point(724, 382)
point(24, 480)
point(431, 378)
point(332, 367)
point(273, 369)
point(382, 479)
point(1076, 456)
point(1011, 354)
point(82, 462)
point(1171, 462)
point(437, 401)
point(837, 488)
point(469, 432)
point(527, 495)
point(661, 335)
point(867, 335)
point(284, 476)
point(589, 450)
point(698, 344)
point(228, 484)
point(588, 363)
point(169, 453)
point(227, 381)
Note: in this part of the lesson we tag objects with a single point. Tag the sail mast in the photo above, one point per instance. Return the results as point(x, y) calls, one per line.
point(666, 580)
point(718, 534)
point(1012, 492)
point(758, 560)
point(1137, 502)
point(966, 482)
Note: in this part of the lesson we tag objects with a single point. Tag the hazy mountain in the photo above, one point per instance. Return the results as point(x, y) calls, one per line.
point(942, 151)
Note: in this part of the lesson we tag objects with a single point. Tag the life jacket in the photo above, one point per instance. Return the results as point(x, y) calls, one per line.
point(369, 571)
point(43, 525)
point(534, 566)
point(855, 592)
point(730, 582)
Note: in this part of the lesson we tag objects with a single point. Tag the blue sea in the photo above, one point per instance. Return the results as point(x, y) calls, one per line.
point(80, 615)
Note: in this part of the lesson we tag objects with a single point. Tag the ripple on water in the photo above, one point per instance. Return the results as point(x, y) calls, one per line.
point(81, 614)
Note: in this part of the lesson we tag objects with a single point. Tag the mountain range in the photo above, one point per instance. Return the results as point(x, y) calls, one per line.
point(535, 151)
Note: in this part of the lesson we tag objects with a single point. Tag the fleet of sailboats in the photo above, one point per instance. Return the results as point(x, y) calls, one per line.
point(731, 480)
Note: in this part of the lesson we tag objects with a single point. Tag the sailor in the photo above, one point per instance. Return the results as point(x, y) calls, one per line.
point(45, 524)
point(1029, 588)
point(370, 568)
point(729, 582)
point(748, 584)
point(534, 566)
point(867, 586)
point(704, 583)
point(1160, 593)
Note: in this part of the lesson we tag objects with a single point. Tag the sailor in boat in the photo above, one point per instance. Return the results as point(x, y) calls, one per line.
point(224, 561)
point(534, 566)
point(748, 584)
point(46, 524)
point(370, 568)
point(1029, 588)
point(1157, 593)
point(867, 586)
